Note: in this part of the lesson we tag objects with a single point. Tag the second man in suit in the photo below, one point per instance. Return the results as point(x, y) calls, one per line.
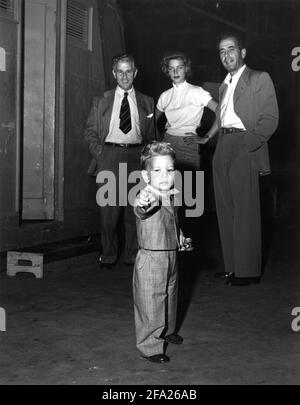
point(247, 116)
point(119, 124)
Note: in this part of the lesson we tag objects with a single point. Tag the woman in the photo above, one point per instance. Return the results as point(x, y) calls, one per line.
point(183, 106)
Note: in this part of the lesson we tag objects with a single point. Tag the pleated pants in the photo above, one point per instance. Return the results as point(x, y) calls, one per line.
point(236, 186)
point(155, 285)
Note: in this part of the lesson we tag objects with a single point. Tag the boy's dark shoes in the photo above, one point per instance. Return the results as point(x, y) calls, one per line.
point(174, 338)
point(157, 358)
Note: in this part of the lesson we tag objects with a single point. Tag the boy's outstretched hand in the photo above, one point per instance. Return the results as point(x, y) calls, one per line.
point(146, 198)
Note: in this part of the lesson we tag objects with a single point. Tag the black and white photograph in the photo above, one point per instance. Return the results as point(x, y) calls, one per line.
point(149, 197)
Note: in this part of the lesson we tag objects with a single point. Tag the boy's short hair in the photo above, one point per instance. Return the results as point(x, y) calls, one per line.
point(156, 149)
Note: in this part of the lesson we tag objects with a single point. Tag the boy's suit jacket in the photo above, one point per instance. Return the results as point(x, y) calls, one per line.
point(255, 104)
point(157, 227)
point(98, 122)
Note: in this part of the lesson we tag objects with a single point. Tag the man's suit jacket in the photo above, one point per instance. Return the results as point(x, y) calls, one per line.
point(97, 126)
point(255, 104)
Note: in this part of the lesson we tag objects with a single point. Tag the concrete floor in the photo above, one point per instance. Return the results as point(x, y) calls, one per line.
point(75, 326)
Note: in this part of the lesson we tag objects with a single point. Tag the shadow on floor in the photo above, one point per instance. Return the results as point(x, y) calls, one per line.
point(75, 326)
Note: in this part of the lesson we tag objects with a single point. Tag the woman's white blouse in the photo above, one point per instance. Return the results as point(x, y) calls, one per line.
point(183, 106)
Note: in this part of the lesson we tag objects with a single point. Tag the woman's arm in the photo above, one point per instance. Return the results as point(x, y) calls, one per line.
point(212, 131)
point(212, 105)
point(195, 139)
point(158, 114)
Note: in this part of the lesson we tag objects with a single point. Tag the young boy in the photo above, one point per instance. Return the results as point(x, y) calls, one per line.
point(155, 270)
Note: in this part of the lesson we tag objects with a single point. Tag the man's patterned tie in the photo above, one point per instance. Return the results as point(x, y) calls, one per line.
point(125, 119)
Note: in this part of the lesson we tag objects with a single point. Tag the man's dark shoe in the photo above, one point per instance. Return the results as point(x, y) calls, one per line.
point(242, 281)
point(174, 338)
point(224, 274)
point(157, 358)
point(105, 266)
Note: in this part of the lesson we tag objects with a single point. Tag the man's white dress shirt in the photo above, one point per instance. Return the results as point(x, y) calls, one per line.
point(115, 135)
point(227, 114)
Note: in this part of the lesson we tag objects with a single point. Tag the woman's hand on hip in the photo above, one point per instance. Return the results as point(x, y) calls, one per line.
point(194, 139)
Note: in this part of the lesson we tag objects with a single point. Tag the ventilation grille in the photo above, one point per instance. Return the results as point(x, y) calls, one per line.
point(7, 9)
point(79, 23)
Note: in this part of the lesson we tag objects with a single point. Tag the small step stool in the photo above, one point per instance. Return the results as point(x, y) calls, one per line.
point(25, 262)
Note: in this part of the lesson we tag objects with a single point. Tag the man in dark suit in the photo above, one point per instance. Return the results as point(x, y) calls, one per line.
point(119, 123)
point(247, 116)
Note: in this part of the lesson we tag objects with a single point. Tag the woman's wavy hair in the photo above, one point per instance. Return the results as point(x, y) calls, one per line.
point(176, 55)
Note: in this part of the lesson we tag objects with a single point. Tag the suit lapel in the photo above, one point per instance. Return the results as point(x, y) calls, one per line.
point(222, 89)
point(222, 92)
point(241, 85)
point(108, 102)
point(140, 105)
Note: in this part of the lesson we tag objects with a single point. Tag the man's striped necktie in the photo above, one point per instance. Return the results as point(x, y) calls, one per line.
point(125, 119)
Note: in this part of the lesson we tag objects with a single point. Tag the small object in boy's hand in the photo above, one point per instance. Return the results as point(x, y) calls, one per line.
point(146, 197)
point(145, 207)
point(187, 245)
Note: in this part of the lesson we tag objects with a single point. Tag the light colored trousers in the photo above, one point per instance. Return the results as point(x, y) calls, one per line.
point(155, 285)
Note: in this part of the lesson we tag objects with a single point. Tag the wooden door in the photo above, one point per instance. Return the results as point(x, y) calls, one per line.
point(8, 112)
point(39, 109)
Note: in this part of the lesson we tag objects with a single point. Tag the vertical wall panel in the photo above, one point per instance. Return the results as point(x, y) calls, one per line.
point(8, 86)
point(39, 109)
